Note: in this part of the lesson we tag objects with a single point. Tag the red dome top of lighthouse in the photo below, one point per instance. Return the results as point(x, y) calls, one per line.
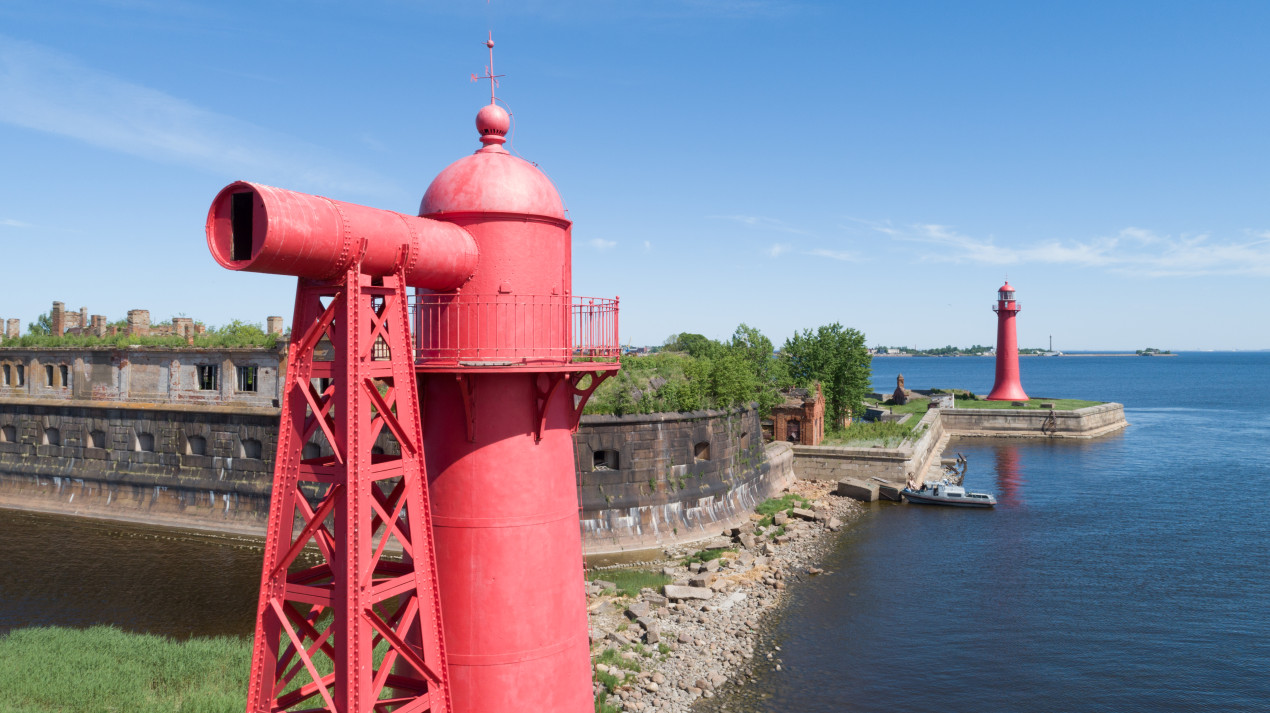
point(1006, 287)
point(492, 180)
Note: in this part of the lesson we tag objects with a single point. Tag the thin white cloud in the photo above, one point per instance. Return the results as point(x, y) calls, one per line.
point(842, 255)
point(1132, 250)
point(778, 249)
point(11, 223)
point(44, 90)
point(648, 246)
point(881, 226)
point(758, 222)
point(602, 244)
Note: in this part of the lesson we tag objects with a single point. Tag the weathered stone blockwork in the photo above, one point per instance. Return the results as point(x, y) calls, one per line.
point(914, 459)
point(1088, 422)
point(893, 465)
point(154, 375)
point(200, 467)
point(661, 478)
point(654, 479)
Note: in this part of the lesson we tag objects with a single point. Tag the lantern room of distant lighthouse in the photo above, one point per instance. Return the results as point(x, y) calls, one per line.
point(1007, 386)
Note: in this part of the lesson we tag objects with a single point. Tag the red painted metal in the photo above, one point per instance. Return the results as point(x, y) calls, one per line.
point(1007, 386)
point(260, 228)
point(518, 355)
point(506, 358)
point(357, 630)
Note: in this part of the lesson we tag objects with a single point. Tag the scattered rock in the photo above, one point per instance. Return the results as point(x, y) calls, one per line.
point(679, 593)
point(804, 514)
point(780, 518)
point(720, 622)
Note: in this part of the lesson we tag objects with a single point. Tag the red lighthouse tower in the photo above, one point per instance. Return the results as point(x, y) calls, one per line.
point(1007, 386)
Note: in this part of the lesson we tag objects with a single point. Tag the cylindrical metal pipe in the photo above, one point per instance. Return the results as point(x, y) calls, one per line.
point(260, 228)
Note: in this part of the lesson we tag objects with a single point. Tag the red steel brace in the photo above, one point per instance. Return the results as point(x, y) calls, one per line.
point(355, 632)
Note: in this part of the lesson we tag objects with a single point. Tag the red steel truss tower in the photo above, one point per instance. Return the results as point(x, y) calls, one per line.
point(1007, 386)
point(484, 609)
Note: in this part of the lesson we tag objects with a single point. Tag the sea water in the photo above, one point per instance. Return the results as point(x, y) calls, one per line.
point(1126, 573)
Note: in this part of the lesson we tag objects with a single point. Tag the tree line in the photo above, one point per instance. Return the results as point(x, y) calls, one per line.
point(693, 372)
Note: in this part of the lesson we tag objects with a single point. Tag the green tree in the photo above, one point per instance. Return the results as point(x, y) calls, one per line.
point(697, 346)
point(240, 331)
point(732, 381)
point(42, 326)
point(770, 374)
point(835, 356)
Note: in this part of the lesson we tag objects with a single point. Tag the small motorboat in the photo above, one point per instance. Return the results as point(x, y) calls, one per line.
point(945, 493)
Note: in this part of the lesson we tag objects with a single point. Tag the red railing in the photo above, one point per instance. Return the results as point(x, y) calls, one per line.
point(509, 330)
point(1012, 305)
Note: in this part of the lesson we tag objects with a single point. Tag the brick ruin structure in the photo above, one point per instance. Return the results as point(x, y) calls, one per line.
point(63, 323)
point(800, 420)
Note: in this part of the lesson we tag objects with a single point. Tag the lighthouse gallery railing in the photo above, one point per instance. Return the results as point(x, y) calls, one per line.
point(456, 330)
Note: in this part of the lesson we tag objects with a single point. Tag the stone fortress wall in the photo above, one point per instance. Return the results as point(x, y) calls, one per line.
point(651, 480)
point(644, 481)
point(916, 460)
point(144, 375)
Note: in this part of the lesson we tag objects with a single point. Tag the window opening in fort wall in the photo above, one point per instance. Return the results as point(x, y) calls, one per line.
point(605, 460)
point(247, 379)
point(701, 452)
point(250, 448)
point(208, 377)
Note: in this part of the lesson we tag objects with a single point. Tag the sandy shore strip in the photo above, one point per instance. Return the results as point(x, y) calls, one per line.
point(666, 648)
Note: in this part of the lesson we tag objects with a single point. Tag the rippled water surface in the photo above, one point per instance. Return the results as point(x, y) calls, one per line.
point(66, 571)
point(1130, 573)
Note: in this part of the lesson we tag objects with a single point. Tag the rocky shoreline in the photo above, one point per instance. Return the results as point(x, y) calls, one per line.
point(666, 648)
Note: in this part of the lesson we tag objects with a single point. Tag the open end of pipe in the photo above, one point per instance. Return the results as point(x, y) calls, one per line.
point(236, 226)
point(240, 225)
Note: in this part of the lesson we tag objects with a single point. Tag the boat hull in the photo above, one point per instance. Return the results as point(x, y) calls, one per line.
point(920, 499)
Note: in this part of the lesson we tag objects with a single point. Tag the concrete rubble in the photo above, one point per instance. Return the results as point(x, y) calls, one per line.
point(666, 650)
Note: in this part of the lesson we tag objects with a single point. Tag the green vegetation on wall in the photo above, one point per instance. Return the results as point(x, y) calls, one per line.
point(693, 372)
point(235, 334)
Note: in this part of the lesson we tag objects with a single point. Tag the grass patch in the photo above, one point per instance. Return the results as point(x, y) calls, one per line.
point(705, 556)
point(886, 434)
point(785, 503)
point(106, 670)
point(612, 657)
point(630, 581)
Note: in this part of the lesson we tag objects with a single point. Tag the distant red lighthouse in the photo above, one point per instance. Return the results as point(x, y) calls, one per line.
point(1007, 386)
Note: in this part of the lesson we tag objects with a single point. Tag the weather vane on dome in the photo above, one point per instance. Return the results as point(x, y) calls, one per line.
point(489, 69)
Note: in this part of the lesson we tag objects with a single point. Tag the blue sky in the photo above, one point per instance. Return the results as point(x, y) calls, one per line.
point(784, 164)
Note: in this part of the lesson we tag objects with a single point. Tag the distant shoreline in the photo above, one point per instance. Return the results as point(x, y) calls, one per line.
point(980, 356)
